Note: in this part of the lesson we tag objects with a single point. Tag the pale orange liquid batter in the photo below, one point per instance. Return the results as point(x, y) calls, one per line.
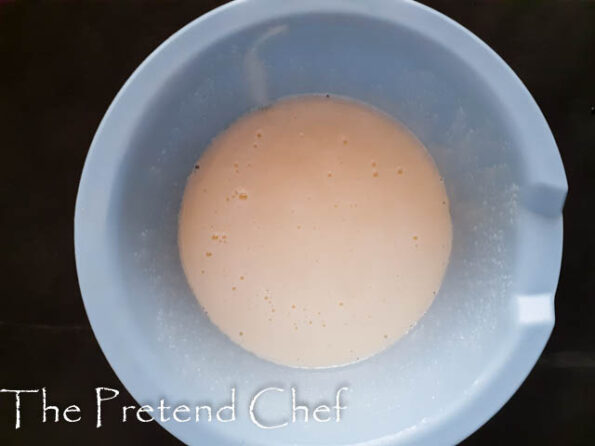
point(315, 232)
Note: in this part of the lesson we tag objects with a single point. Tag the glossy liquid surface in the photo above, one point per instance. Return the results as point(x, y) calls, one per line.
point(315, 232)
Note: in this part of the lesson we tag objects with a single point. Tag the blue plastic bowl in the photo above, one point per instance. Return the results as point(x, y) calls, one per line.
point(502, 170)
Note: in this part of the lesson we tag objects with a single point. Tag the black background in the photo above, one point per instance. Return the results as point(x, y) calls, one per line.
point(61, 63)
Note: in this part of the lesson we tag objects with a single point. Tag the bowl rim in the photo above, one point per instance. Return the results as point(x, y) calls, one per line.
point(545, 175)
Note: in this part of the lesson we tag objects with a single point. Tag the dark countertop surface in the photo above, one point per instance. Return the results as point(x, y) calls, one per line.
point(61, 64)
